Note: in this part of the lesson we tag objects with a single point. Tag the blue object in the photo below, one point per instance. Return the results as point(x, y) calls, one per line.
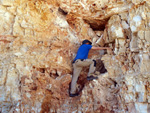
point(83, 52)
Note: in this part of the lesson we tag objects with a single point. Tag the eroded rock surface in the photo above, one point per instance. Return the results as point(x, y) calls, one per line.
point(39, 39)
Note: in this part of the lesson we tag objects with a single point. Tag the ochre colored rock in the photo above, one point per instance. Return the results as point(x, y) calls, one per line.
point(39, 40)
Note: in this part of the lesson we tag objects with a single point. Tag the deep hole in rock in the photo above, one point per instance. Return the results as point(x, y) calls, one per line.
point(100, 66)
point(97, 25)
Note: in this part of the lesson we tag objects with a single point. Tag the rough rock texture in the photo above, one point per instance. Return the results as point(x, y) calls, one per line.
point(39, 39)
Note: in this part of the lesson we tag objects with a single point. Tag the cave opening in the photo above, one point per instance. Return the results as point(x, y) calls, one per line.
point(97, 25)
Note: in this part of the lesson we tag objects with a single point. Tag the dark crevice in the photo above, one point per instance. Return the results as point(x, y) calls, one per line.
point(115, 82)
point(54, 75)
point(62, 11)
point(100, 66)
point(97, 25)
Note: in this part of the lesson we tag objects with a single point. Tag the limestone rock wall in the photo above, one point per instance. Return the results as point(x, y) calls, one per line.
point(39, 39)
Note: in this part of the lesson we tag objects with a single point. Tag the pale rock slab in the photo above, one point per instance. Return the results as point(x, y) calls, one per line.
point(39, 40)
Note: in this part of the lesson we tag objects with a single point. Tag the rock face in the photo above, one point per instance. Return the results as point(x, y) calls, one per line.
point(39, 39)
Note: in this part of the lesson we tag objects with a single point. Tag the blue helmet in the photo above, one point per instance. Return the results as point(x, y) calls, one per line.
point(86, 41)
